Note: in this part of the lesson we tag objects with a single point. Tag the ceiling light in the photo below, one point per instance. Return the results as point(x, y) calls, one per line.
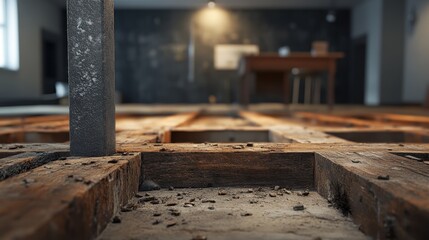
point(331, 17)
point(211, 4)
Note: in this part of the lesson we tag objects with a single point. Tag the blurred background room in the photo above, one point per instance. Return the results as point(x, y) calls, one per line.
point(190, 51)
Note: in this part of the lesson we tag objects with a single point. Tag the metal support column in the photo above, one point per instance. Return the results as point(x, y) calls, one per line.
point(91, 60)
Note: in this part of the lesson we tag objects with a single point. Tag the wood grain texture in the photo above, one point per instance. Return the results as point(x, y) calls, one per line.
point(14, 165)
point(150, 129)
point(275, 147)
point(285, 131)
point(54, 205)
point(336, 120)
point(397, 208)
point(14, 149)
point(221, 169)
point(71, 199)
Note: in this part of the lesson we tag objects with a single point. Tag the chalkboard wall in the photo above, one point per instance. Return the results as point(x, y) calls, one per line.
point(152, 60)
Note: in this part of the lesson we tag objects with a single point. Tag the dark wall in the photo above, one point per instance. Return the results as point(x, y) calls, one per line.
point(152, 50)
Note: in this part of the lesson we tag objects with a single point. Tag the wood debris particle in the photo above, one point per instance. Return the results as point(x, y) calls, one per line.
point(221, 193)
point(298, 207)
point(383, 177)
point(287, 191)
point(156, 222)
point(199, 237)
point(28, 181)
point(187, 205)
point(171, 224)
point(303, 193)
point(116, 220)
point(174, 212)
point(128, 208)
point(78, 179)
point(414, 158)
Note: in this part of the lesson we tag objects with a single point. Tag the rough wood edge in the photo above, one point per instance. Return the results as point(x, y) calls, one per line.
point(66, 199)
point(394, 208)
point(16, 164)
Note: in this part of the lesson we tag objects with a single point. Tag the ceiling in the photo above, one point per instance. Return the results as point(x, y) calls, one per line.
point(189, 4)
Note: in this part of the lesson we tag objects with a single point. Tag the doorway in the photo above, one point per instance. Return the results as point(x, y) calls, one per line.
point(51, 61)
point(358, 71)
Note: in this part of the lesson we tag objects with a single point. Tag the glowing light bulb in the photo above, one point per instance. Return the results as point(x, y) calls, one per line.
point(211, 4)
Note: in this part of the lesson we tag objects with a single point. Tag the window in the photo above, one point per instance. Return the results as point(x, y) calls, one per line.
point(9, 50)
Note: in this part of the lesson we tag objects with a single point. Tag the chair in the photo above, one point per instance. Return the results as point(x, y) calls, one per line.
point(312, 87)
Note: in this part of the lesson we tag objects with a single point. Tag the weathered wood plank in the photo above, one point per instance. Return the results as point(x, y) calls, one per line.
point(128, 123)
point(337, 120)
point(295, 134)
point(10, 121)
point(14, 165)
point(14, 149)
point(71, 199)
point(136, 136)
point(219, 121)
point(193, 169)
point(11, 135)
point(151, 129)
point(394, 208)
point(276, 147)
point(403, 119)
point(283, 131)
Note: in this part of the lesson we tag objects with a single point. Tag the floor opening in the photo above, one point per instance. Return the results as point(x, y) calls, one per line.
point(34, 137)
point(219, 136)
point(382, 137)
point(419, 157)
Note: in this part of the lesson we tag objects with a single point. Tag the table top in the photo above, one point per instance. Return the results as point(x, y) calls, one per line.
point(330, 55)
point(275, 62)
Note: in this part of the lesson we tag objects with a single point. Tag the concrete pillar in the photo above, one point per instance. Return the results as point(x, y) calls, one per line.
point(91, 60)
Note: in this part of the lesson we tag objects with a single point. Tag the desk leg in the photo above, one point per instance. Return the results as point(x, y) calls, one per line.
point(286, 88)
point(245, 91)
point(331, 85)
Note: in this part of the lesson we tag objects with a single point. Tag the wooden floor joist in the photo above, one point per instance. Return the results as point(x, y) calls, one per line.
point(385, 186)
point(387, 195)
point(67, 199)
point(16, 164)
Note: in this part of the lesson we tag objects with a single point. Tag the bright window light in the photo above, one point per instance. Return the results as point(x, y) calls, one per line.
point(9, 50)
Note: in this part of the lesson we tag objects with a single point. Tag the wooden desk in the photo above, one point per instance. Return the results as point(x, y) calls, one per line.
point(249, 65)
